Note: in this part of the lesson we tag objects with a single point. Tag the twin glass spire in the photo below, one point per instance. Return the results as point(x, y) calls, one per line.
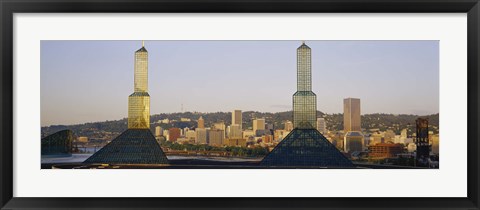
point(139, 100)
point(304, 100)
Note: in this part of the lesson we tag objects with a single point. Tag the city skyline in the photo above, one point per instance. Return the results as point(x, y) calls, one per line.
point(267, 95)
point(304, 146)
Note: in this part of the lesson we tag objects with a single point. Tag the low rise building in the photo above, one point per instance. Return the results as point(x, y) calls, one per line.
point(236, 142)
point(384, 150)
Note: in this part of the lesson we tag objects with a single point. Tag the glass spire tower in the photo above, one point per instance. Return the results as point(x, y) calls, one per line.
point(304, 100)
point(139, 100)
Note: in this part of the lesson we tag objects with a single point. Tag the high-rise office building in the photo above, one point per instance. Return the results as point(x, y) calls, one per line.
point(351, 114)
point(220, 126)
point(321, 125)
point(216, 137)
point(259, 127)
point(235, 131)
point(201, 136)
point(139, 100)
point(237, 118)
point(304, 100)
point(173, 134)
point(288, 126)
point(158, 131)
point(201, 122)
point(422, 142)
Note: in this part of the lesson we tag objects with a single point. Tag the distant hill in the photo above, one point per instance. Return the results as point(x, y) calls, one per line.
point(334, 122)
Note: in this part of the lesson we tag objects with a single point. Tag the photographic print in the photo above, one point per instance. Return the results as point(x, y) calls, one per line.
point(235, 104)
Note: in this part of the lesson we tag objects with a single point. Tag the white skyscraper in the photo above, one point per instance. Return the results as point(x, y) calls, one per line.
point(288, 126)
point(321, 125)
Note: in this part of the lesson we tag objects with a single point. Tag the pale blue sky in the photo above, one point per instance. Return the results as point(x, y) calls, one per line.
point(88, 81)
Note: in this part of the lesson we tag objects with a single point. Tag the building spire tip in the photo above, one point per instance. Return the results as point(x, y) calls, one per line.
point(143, 43)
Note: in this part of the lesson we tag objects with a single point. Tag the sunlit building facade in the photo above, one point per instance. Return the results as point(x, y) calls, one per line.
point(288, 126)
point(220, 126)
point(321, 125)
point(304, 100)
point(158, 131)
point(235, 131)
point(384, 150)
point(216, 137)
point(258, 127)
point(201, 122)
point(201, 136)
point(351, 114)
point(173, 134)
point(237, 118)
point(139, 101)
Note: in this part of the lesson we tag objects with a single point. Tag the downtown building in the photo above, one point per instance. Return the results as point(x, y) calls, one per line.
point(173, 134)
point(216, 137)
point(353, 142)
point(235, 131)
point(351, 114)
point(258, 127)
point(237, 118)
point(288, 126)
point(321, 126)
point(353, 139)
point(200, 122)
point(202, 135)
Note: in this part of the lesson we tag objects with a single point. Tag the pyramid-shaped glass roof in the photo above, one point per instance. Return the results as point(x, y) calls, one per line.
point(306, 148)
point(133, 146)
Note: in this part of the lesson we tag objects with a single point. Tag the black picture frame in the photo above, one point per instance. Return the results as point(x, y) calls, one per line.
point(10, 7)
